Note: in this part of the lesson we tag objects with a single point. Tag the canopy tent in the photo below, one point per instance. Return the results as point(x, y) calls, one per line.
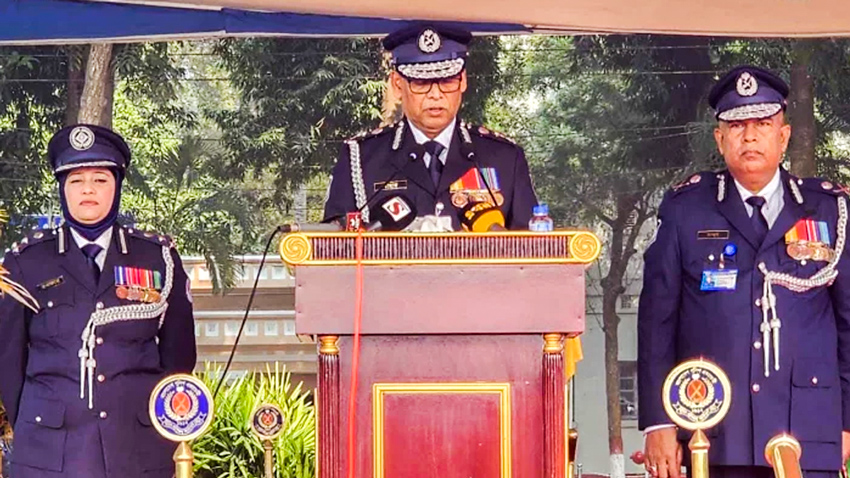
point(793, 18)
point(71, 21)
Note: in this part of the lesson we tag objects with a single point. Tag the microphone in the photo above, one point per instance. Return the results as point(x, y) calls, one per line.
point(467, 152)
point(482, 217)
point(416, 153)
point(783, 453)
point(394, 213)
point(309, 227)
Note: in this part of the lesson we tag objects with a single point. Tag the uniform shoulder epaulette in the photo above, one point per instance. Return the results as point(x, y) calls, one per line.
point(490, 134)
point(158, 239)
point(691, 183)
point(35, 237)
point(822, 186)
point(373, 133)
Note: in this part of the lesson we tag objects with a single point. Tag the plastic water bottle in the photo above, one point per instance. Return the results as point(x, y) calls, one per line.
point(541, 222)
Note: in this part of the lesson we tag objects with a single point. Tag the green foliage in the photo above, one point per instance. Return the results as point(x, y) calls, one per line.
point(230, 449)
point(32, 105)
point(299, 99)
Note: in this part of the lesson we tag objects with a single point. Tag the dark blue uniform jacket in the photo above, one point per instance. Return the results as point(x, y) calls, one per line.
point(384, 153)
point(55, 432)
point(809, 396)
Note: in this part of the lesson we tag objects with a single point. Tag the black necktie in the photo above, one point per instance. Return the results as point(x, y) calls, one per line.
point(91, 251)
point(757, 219)
point(434, 149)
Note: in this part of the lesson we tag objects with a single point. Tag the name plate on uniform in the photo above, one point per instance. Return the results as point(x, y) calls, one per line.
point(181, 407)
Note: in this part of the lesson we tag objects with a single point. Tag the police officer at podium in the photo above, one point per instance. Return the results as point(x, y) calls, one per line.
point(750, 269)
point(113, 317)
point(432, 158)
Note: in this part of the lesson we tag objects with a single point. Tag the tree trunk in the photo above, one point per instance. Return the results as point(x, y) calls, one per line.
point(76, 81)
point(801, 110)
point(96, 101)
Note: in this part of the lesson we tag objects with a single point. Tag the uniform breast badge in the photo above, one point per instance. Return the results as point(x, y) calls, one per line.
point(697, 395)
point(136, 284)
point(809, 240)
point(472, 187)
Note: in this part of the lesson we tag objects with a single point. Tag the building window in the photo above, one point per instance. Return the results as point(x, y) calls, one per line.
point(252, 329)
point(629, 301)
point(197, 330)
point(203, 273)
point(628, 390)
point(231, 328)
point(211, 329)
point(279, 273)
point(271, 328)
point(288, 327)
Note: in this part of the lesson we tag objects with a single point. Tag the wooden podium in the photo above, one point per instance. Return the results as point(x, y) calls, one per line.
point(461, 364)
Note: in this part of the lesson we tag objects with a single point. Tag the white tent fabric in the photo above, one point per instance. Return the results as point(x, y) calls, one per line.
point(770, 18)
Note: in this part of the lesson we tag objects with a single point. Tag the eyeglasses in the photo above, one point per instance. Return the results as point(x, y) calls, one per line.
point(446, 85)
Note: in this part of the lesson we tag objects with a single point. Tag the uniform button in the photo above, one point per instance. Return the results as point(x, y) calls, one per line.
point(757, 345)
point(758, 302)
point(99, 341)
point(101, 378)
point(49, 304)
point(711, 257)
point(103, 415)
point(814, 380)
point(38, 419)
point(756, 388)
point(99, 305)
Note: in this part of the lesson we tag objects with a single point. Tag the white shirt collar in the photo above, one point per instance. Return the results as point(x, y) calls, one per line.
point(767, 192)
point(444, 138)
point(102, 240)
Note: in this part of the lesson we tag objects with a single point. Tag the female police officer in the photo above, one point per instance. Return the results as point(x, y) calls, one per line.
point(114, 317)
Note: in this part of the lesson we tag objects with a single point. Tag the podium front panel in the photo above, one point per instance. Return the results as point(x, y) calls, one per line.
point(436, 299)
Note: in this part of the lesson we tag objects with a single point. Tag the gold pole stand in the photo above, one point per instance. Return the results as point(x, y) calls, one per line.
point(783, 453)
point(183, 461)
point(699, 446)
point(267, 450)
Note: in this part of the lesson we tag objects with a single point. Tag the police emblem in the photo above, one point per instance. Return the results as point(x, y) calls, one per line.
point(81, 138)
point(747, 85)
point(181, 407)
point(429, 41)
point(267, 421)
point(697, 394)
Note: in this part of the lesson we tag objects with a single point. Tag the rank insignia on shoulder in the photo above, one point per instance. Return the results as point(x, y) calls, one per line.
point(809, 240)
point(136, 284)
point(49, 284)
point(695, 179)
point(488, 133)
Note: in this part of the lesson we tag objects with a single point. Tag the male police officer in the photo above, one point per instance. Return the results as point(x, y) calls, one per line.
point(457, 164)
point(113, 316)
point(750, 269)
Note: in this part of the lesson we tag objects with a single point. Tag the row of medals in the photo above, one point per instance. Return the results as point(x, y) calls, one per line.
point(813, 251)
point(138, 294)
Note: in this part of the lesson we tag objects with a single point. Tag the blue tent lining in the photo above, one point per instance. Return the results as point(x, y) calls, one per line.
point(70, 21)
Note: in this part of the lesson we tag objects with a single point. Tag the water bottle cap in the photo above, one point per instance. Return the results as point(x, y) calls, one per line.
point(541, 209)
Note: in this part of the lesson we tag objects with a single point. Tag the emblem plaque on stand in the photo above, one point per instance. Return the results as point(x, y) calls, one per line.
point(268, 423)
point(696, 396)
point(181, 409)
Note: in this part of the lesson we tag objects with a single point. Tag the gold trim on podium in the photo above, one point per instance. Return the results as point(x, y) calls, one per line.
point(581, 247)
point(381, 390)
